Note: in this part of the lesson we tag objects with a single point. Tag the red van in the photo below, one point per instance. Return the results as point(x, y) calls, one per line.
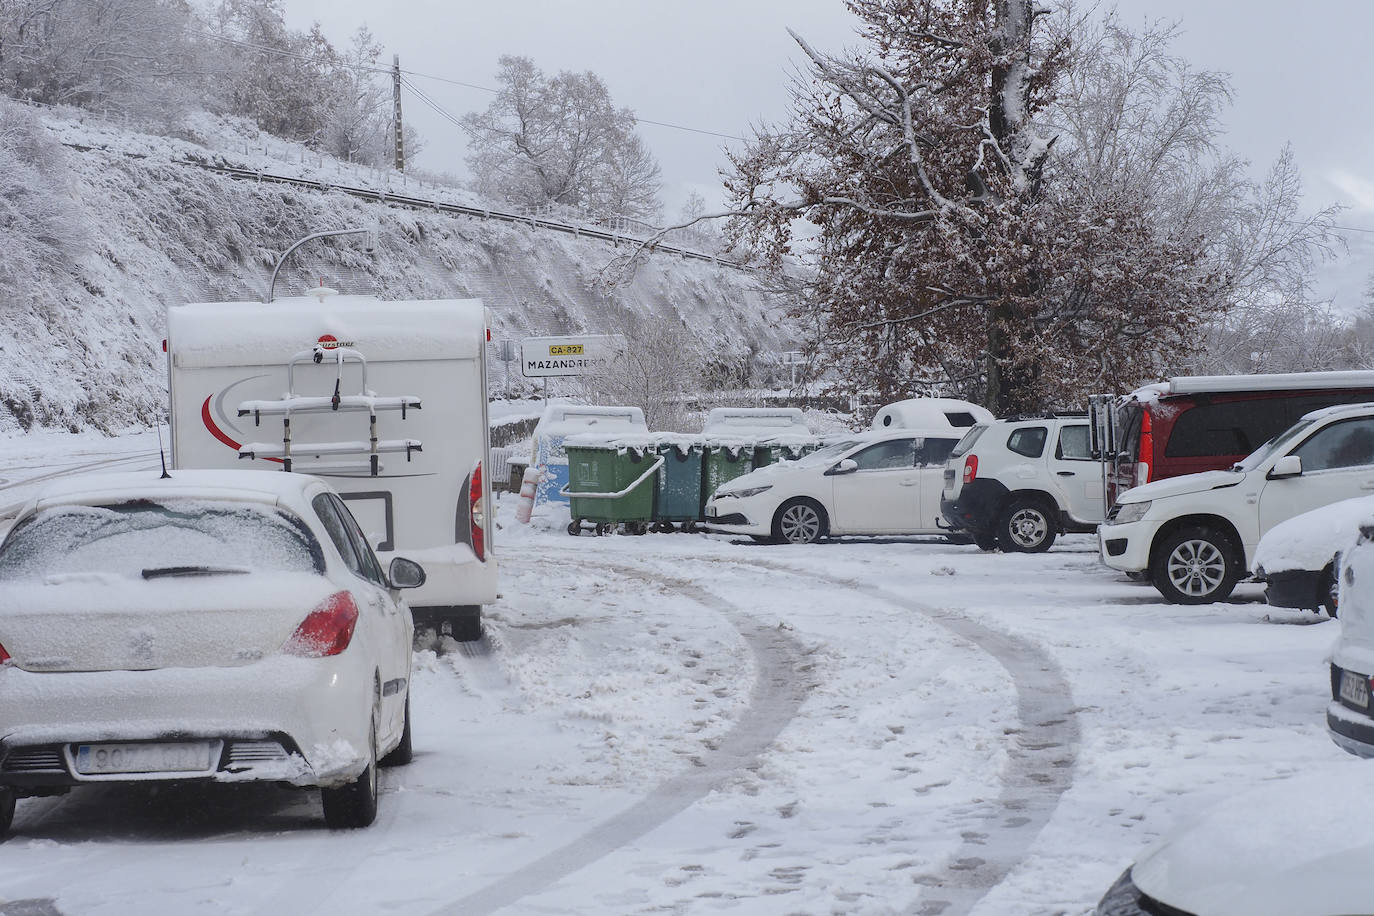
point(1209, 422)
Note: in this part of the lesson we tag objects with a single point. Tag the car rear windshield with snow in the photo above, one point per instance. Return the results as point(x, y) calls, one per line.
point(967, 442)
point(151, 539)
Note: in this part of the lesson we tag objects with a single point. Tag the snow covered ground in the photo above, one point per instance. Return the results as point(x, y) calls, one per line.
point(687, 724)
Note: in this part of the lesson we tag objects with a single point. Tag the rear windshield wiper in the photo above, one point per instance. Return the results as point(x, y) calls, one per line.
point(162, 572)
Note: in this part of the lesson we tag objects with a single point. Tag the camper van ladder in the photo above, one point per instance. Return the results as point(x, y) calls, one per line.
point(335, 402)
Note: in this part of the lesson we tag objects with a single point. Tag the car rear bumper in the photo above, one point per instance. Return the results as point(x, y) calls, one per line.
point(975, 508)
point(316, 711)
point(1300, 588)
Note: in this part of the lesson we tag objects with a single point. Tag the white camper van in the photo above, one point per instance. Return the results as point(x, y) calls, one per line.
point(387, 400)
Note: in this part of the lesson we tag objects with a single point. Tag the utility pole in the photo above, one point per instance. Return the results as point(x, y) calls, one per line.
point(396, 116)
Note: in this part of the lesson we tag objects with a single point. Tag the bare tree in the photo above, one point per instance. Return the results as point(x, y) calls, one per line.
point(358, 123)
point(658, 371)
point(561, 141)
point(124, 55)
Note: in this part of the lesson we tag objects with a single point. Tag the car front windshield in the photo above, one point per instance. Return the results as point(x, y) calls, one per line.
point(829, 453)
point(1259, 455)
point(150, 539)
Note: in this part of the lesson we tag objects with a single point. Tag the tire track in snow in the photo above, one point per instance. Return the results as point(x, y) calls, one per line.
point(1042, 754)
point(138, 459)
point(777, 695)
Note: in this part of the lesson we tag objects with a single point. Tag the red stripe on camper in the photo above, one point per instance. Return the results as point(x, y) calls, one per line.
point(219, 433)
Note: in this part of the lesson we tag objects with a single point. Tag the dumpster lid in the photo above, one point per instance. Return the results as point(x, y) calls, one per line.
point(755, 422)
point(570, 419)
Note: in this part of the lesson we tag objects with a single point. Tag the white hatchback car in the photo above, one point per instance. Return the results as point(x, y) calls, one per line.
point(881, 482)
point(208, 626)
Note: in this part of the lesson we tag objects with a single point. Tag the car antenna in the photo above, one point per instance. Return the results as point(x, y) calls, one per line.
point(162, 452)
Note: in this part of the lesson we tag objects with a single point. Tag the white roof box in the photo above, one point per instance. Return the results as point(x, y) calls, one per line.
point(931, 413)
point(1277, 381)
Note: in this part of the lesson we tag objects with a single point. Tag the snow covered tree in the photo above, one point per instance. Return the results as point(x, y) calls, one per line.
point(560, 140)
point(966, 238)
point(40, 225)
point(357, 125)
point(124, 55)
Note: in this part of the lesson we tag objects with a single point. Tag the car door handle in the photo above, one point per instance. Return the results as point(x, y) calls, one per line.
point(1367, 485)
point(910, 483)
point(1065, 473)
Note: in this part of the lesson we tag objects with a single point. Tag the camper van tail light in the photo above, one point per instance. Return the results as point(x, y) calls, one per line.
point(477, 513)
point(327, 630)
point(1146, 459)
point(970, 469)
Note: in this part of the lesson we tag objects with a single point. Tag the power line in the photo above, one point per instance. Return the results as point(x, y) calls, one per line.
point(280, 52)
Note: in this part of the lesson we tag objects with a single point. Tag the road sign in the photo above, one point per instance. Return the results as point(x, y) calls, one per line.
point(587, 355)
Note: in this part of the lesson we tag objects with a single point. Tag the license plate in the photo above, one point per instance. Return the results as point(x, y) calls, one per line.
point(1355, 689)
point(178, 757)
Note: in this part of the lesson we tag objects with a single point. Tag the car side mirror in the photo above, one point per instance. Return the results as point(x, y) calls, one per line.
point(845, 466)
point(1287, 466)
point(403, 573)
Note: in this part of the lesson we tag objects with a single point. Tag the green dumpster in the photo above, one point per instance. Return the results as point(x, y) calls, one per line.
point(723, 461)
point(610, 483)
point(783, 448)
point(678, 498)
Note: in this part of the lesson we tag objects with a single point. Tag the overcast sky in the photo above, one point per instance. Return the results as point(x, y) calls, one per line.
point(1301, 73)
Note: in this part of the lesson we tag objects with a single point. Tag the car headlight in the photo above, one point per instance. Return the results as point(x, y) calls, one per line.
point(746, 492)
point(1131, 512)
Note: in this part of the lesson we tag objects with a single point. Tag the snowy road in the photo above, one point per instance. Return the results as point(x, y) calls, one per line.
point(682, 724)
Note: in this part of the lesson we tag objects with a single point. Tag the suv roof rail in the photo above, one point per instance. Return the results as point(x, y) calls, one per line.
point(1046, 415)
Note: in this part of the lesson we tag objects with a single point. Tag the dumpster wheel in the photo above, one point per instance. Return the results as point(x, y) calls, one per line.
point(575, 527)
point(636, 528)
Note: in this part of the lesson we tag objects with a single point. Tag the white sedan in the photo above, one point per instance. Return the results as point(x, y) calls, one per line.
point(881, 482)
point(212, 625)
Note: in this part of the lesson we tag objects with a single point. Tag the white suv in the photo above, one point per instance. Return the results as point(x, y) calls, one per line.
point(1018, 483)
point(1195, 535)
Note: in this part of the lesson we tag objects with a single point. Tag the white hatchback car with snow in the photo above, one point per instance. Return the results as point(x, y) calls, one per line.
point(1299, 560)
point(871, 483)
point(215, 626)
point(1195, 535)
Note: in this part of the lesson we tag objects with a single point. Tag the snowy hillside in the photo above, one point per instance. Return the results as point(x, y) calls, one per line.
point(85, 351)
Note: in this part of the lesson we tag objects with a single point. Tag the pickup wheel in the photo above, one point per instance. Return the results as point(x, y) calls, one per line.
point(1026, 526)
point(1195, 566)
point(6, 809)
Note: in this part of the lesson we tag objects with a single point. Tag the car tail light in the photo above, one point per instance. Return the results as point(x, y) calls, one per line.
point(970, 468)
point(327, 630)
point(4, 656)
point(477, 513)
point(1146, 459)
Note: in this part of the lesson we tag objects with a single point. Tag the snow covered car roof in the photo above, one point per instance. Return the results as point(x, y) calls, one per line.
point(1309, 541)
point(258, 486)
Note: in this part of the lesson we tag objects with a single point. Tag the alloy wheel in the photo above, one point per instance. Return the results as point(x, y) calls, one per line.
point(1196, 568)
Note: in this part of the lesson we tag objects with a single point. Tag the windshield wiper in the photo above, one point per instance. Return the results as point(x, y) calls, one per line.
point(162, 572)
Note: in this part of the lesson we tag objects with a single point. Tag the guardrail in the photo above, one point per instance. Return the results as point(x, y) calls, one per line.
point(416, 203)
